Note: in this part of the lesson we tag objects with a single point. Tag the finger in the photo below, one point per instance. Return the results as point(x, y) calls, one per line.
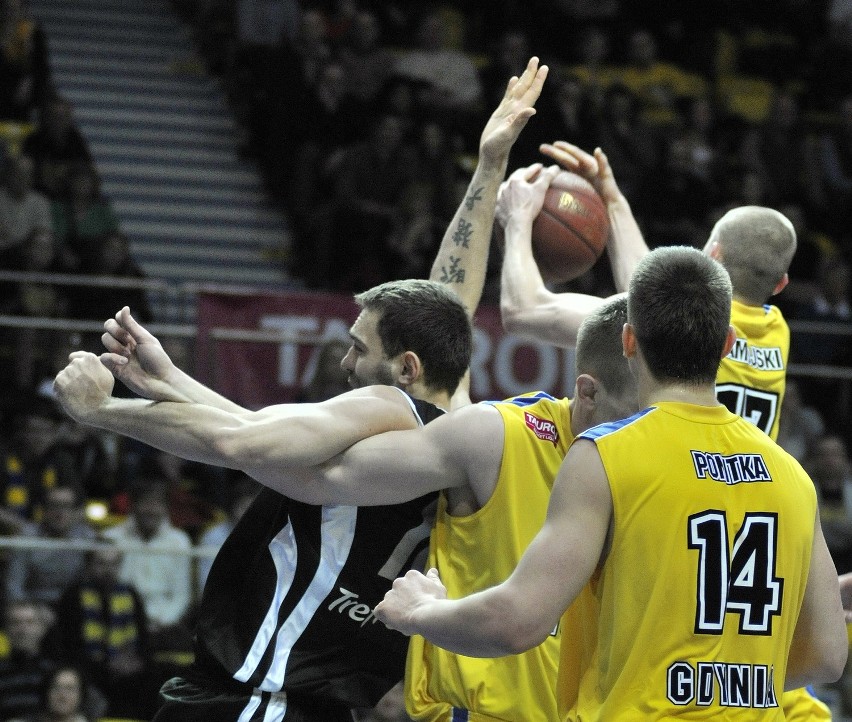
point(433, 573)
point(114, 329)
point(531, 172)
point(80, 355)
point(113, 361)
point(565, 159)
point(533, 91)
point(113, 345)
point(604, 168)
point(548, 174)
point(522, 83)
point(133, 327)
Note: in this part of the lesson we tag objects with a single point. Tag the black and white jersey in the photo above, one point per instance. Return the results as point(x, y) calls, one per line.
point(289, 599)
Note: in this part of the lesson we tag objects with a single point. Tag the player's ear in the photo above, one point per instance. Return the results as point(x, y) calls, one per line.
point(411, 369)
point(729, 341)
point(785, 279)
point(586, 390)
point(628, 341)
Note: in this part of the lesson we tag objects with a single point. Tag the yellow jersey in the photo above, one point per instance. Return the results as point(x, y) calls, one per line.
point(752, 377)
point(751, 382)
point(479, 550)
point(728, 515)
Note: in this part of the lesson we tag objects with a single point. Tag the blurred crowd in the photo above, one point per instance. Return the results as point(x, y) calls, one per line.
point(363, 118)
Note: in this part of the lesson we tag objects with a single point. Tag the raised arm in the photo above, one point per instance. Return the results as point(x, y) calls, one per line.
point(462, 258)
point(551, 573)
point(626, 244)
point(819, 649)
point(528, 308)
point(137, 359)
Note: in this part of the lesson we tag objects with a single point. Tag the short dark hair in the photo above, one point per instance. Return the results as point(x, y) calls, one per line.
point(757, 245)
point(425, 317)
point(599, 352)
point(679, 305)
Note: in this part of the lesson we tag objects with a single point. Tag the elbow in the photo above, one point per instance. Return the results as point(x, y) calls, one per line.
point(516, 630)
point(831, 669)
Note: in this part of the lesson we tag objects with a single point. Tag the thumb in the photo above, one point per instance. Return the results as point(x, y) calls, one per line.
point(433, 573)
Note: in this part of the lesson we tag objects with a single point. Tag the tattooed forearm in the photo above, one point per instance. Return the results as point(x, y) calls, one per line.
point(462, 235)
point(453, 274)
point(470, 201)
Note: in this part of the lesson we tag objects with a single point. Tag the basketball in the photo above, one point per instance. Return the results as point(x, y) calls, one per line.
point(571, 231)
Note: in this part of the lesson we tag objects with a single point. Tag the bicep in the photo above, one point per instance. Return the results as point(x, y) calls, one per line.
point(394, 467)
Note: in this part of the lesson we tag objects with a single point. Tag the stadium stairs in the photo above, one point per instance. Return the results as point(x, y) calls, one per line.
point(166, 146)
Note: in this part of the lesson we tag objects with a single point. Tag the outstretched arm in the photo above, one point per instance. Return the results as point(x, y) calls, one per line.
point(528, 308)
point(551, 573)
point(262, 443)
point(137, 359)
point(462, 258)
point(295, 449)
point(463, 255)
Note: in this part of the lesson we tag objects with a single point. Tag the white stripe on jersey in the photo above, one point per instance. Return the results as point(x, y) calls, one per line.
point(251, 707)
point(336, 535)
point(283, 550)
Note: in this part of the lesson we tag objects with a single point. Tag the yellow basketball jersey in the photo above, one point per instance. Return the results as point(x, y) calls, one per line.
point(482, 549)
point(728, 515)
point(752, 377)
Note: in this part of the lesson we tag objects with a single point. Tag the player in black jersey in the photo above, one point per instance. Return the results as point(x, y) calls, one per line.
point(285, 627)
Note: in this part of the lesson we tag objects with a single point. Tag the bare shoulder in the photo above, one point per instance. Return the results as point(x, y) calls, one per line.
point(386, 406)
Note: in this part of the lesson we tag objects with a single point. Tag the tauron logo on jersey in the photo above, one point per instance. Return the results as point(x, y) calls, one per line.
point(733, 469)
point(542, 428)
point(762, 358)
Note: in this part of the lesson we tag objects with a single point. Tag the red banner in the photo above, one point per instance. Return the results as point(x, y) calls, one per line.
point(237, 358)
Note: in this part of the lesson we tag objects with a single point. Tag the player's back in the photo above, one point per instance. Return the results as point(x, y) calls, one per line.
point(752, 378)
point(702, 586)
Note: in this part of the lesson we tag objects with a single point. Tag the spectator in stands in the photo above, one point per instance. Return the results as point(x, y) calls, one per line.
point(800, 425)
point(829, 466)
point(32, 349)
point(301, 166)
point(24, 68)
point(369, 183)
point(367, 62)
point(831, 303)
point(456, 96)
point(62, 699)
point(83, 216)
point(26, 668)
point(658, 85)
point(163, 579)
point(242, 490)
point(42, 575)
point(109, 256)
point(101, 626)
point(631, 145)
point(834, 163)
point(56, 147)
point(776, 149)
point(31, 461)
point(23, 210)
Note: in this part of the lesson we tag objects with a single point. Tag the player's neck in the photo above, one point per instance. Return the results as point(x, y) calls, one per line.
point(700, 395)
point(441, 399)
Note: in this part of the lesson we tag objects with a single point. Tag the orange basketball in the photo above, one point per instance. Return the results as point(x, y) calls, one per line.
point(571, 231)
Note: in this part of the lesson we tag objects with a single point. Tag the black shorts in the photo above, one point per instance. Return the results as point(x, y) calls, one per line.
point(183, 700)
